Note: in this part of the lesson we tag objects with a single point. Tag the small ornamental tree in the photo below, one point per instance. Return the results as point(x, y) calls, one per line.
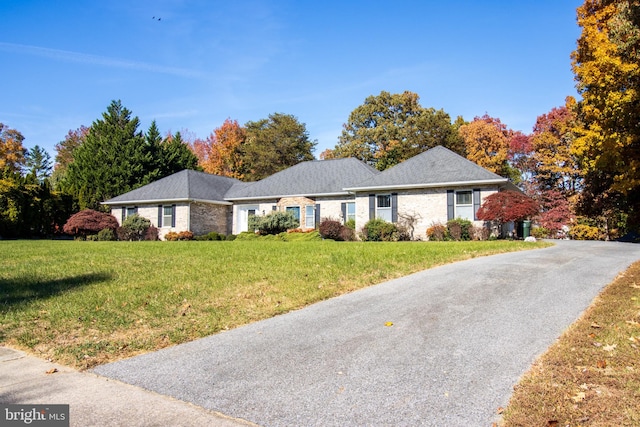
point(507, 206)
point(88, 222)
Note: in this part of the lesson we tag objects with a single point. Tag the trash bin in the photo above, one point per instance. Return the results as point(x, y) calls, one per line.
point(526, 229)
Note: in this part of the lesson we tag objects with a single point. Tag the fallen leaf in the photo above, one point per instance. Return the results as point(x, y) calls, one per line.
point(597, 344)
point(609, 347)
point(552, 423)
point(602, 364)
point(632, 323)
point(579, 397)
point(500, 410)
point(592, 335)
point(595, 325)
point(52, 371)
point(388, 324)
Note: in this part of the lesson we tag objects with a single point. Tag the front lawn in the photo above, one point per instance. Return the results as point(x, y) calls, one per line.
point(88, 303)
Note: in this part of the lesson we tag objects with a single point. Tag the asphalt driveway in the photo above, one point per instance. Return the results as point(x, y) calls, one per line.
point(461, 337)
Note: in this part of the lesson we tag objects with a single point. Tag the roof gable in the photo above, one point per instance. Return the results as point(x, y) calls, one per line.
point(438, 165)
point(183, 185)
point(312, 178)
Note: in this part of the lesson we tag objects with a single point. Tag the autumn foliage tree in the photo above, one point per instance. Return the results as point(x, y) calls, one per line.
point(507, 206)
point(554, 165)
point(606, 65)
point(12, 152)
point(88, 221)
point(221, 153)
point(487, 142)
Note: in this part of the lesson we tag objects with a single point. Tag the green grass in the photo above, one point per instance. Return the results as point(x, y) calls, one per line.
point(87, 303)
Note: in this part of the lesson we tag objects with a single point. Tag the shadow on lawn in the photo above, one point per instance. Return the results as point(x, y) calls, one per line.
point(19, 291)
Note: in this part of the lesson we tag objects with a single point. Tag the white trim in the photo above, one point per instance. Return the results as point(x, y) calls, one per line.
point(269, 197)
point(434, 185)
point(162, 201)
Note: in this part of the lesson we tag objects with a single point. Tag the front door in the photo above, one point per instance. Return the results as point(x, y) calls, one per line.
point(244, 212)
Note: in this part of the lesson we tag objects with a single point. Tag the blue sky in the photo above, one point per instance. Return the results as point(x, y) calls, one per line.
point(190, 64)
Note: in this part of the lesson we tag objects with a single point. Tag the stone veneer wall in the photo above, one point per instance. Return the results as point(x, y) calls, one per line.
point(208, 217)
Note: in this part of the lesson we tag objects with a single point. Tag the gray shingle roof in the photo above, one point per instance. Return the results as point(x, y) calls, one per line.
point(313, 178)
point(436, 166)
point(183, 185)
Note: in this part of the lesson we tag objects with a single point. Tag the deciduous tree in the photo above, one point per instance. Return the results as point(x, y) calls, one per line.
point(274, 144)
point(222, 152)
point(507, 206)
point(487, 142)
point(88, 222)
point(390, 128)
point(606, 65)
point(11, 149)
point(554, 165)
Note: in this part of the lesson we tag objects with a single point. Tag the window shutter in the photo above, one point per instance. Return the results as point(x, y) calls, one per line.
point(173, 215)
point(124, 214)
point(476, 202)
point(372, 206)
point(450, 205)
point(135, 210)
point(394, 207)
point(159, 216)
point(343, 209)
point(317, 213)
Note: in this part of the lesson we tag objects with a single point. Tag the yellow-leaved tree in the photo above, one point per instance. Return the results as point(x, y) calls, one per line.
point(606, 65)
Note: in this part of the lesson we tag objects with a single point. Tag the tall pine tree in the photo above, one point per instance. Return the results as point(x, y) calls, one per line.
point(113, 159)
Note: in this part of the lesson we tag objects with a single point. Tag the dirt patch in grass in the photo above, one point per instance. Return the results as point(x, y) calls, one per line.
point(591, 375)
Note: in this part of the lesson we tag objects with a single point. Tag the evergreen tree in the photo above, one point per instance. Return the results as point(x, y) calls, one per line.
point(176, 156)
point(38, 163)
point(112, 160)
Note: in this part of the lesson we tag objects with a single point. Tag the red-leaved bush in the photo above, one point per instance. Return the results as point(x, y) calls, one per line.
point(507, 206)
point(88, 222)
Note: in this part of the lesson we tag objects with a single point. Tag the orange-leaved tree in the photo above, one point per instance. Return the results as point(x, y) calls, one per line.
point(220, 153)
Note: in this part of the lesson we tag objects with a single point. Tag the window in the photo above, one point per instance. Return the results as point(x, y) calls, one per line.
point(131, 211)
point(295, 210)
point(383, 207)
point(464, 205)
point(167, 216)
point(310, 216)
point(351, 212)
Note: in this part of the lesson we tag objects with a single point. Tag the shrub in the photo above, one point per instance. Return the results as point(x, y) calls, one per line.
point(479, 233)
point(330, 229)
point(172, 236)
point(585, 232)
point(88, 222)
point(212, 236)
point(347, 234)
point(273, 223)
point(437, 232)
point(540, 232)
point(351, 224)
point(459, 229)
point(379, 230)
point(106, 235)
point(152, 234)
point(134, 228)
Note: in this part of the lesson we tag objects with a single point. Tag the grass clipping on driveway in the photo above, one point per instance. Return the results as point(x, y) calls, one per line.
point(591, 375)
point(88, 303)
